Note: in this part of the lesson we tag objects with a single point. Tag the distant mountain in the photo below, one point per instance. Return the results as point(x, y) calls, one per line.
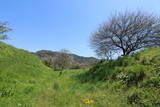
point(80, 60)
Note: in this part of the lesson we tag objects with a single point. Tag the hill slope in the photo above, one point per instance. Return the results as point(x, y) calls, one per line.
point(20, 74)
point(26, 82)
point(136, 76)
point(14, 59)
point(145, 61)
point(80, 60)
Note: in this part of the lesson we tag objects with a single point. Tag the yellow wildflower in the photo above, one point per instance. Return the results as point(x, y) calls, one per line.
point(88, 101)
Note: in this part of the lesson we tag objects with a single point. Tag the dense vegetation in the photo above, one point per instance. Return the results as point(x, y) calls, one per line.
point(137, 75)
point(131, 81)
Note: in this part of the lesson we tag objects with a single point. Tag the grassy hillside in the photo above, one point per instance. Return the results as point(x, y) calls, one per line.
point(132, 81)
point(137, 76)
point(21, 74)
point(146, 61)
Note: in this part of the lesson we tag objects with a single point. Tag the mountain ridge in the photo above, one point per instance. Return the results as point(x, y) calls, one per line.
point(81, 60)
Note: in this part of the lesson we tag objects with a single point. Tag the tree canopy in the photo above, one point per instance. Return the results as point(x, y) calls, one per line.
point(126, 33)
point(63, 60)
point(3, 30)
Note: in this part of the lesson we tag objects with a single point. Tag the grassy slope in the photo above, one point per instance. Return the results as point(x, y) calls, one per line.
point(25, 82)
point(136, 76)
point(21, 76)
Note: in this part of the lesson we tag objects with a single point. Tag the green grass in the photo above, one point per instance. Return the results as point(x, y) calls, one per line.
point(68, 92)
point(21, 74)
point(138, 75)
point(125, 82)
point(26, 82)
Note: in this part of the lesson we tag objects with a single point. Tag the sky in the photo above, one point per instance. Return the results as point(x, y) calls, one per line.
point(58, 24)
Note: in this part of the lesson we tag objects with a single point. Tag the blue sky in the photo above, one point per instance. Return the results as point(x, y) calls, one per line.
point(57, 24)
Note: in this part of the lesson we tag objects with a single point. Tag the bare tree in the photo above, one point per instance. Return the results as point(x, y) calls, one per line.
point(63, 60)
point(126, 33)
point(3, 30)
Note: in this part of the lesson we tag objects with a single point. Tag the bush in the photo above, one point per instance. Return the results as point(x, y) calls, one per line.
point(141, 98)
point(132, 74)
point(144, 61)
point(155, 59)
point(134, 98)
point(48, 61)
point(152, 82)
point(125, 61)
point(136, 56)
point(105, 70)
point(6, 92)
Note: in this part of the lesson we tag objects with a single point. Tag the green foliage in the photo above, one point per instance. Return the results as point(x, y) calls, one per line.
point(129, 68)
point(134, 97)
point(48, 61)
point(132, 74)
point(142, 98)
point(137, 75)
point(105, 70)
point(3, 30)
point(153, 81)
point(6, 91)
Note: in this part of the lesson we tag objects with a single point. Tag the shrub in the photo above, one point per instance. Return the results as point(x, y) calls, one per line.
point(134, 98)
point(132, 74)
point(144, 61)
point(142, 98)
point(155, 59)
point(6, 92)
point(105, 70)
point(136, 56)
point(157, 69)
point(48, 61)
point(125, 61)
point(138, 98)
point(152, 82)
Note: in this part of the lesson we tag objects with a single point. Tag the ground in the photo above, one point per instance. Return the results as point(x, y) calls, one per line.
point(67, 91)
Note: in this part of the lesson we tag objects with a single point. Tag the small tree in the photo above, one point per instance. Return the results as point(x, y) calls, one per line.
point(3, 30)
point(126, 33)
point(63, 60)
point(48, 61)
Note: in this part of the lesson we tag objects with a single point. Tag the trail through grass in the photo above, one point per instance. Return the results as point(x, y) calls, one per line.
point(26, 82)
point(67, 91)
